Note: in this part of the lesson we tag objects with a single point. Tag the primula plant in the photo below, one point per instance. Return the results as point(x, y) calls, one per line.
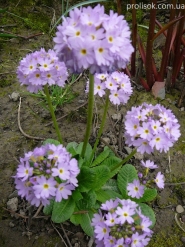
point(97, 190)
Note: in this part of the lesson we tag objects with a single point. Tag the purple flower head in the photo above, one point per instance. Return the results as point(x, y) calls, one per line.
point(24, 171)
point(44, 187)
point(40, 68)
point(159, 180)
point(118, 86)
point(91, 39)
point(48, 172)
point(118, 227)
point(150, 128)
point(135, 189)
point(149, 164)
point(64, 191)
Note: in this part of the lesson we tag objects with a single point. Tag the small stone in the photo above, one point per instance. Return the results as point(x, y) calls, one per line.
point(116, 117)
point(129, 150)
point(50, 231)
point(14, 194)
point(183, 239)
point(81, 101)
point(182, 108)
point(14, 40)
point(106, 140)
point(139, 156)
point(21, 212)
point(179, 209)
point(15, 96)
point(12, 204)
point(11, 224)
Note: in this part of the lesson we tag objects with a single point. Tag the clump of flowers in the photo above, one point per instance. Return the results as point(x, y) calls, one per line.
point(40, 68)
point(89, 38)
point(136, 188)
point(149, 127)
point(47, 172)
point(117, 83)
point(121, 224)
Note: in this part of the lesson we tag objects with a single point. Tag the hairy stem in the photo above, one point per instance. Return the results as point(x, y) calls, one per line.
point(46, 90)
point(125, 160)
point(101, 127)
point(89, 113)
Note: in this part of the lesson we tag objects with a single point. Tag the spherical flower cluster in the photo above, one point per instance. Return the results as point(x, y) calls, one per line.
point(40, 68)
point(89, 38)
point(121, 225)
point(150, 127)
point(117, 83)
point(47, 172)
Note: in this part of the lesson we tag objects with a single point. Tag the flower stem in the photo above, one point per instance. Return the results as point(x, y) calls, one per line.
point(125, 160)
point(89, 113)
point(46, 90)
point(101, 127)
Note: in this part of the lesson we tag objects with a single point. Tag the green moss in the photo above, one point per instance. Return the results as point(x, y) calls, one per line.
point(5, 83)
point(37, 21)
point(167, 238)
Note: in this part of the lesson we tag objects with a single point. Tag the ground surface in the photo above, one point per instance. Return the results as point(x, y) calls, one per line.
point(19, 231)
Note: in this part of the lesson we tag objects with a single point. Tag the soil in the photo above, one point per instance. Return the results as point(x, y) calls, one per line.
point(17, 230)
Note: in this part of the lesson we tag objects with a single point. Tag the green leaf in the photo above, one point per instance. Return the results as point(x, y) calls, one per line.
point(63, 210)
point(111, 153)
point(101, 157)
point(48, 208)
point(51, 141)
point(126, 175)
point(88, 152)
point(85, 179)
point(149, 195)
point(3, 10)
point(7, 35)
point(147, 211)
point(104, 195)
point(86, 223)
point(111, 184)
point(71, 148)
point(75, 219)
point(77, 195)
point(88, 201)
point(111, 162)
point(92, 178)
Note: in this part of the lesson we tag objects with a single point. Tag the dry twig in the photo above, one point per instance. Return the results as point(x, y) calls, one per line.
point(38, 211)
point(66, 235)
point(91, 241)
point(58, 233)
point(169, 184)
point(20, 128)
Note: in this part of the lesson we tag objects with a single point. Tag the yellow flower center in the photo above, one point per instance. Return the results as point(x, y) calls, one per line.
point(100, 50)
point(83, 51)
point(46, 186)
